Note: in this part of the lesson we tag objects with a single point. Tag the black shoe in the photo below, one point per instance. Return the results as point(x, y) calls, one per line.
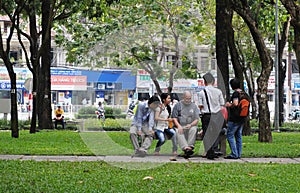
point(230, 157)
point(184, 155)
point(212, 156)
point(218, 153)
point(141, 152)
point(189, 152)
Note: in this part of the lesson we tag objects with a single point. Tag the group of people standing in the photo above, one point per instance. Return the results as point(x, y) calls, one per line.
point(156, 118)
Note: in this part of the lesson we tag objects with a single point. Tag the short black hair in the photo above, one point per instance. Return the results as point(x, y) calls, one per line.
point(209, 78)
point(235, 83)
point(153, 99)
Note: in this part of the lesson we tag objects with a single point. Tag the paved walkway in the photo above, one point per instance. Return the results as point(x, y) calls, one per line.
point(150, 158)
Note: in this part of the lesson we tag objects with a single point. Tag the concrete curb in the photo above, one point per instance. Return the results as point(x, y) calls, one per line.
point(150, 158)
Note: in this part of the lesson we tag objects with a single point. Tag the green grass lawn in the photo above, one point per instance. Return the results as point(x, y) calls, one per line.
point(46, 176)
point(32, 176)
point(118, 143)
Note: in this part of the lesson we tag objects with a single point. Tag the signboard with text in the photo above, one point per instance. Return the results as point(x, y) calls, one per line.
point(68, 82)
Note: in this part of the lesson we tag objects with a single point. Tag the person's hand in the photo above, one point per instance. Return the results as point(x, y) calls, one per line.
point(188, 126)
point(169, 119)
point(228, 104)
point(152, 132)
point(180, 130)
point(201, 132)
point(139, 132)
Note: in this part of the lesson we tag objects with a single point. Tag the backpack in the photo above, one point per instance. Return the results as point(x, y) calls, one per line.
point(244, 103)
point(135, 108)
point(224, 113)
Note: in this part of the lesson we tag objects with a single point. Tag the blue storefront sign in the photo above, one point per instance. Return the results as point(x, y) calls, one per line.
point(7, 85)
point(296, 85)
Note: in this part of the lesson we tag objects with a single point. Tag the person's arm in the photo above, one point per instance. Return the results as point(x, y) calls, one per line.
point(221, 99)
point(196, 120)
point(139, 115)
point(200, 100)
point(234, 100)
point(175, 116)
point(151, 120)
point(192, 124)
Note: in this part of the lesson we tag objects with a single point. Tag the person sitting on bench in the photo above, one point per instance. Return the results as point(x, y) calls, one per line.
point(59, 117)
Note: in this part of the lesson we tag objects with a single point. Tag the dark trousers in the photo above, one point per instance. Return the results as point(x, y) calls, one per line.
point(212, 125)
point(62, 122)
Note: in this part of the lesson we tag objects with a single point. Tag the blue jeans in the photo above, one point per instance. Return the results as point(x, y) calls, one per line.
point(161, 138)
point(234, 138)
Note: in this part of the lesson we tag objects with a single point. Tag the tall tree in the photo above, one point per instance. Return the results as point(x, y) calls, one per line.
point(243, 9)
point(12, 12)
point(293, 8)
point(244, 56)
point(139, 34)
point(31, 11)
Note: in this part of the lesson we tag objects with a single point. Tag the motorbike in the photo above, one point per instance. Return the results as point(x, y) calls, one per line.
point(100, 114)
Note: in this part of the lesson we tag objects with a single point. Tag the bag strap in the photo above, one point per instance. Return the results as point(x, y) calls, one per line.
point(160, 110)
point(207, 100)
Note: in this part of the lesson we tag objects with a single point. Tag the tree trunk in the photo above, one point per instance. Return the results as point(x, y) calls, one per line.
point(14, 105)
point(222, 22)
point(34, 103)
point(294, 11)
point(282, 69)
point(34, 61)
point(296, 45)
point(46, 115)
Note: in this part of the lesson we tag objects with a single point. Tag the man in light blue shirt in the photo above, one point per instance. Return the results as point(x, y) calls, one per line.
point(142, 125)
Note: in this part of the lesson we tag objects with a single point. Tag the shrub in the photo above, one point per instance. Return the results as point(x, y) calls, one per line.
point(87, 110)
point(112, 111)
point(108, 125)
point(5, 124)
point(254, 123)
point(291, 126)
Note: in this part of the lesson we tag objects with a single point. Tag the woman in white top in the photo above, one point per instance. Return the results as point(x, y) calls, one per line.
point(164, 124)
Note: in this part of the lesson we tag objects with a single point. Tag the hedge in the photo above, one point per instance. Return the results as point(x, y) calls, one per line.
point(89, 113)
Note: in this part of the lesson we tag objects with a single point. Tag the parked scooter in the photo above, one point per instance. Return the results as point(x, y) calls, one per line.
point(100, 112)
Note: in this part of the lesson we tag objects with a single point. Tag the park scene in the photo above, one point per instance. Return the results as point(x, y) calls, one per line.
point(149, 96)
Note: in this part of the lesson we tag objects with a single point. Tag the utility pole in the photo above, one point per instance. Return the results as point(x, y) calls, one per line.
point(276, 117)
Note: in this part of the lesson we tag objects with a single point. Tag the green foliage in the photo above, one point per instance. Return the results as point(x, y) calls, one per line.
point(4, 124)
point(120, 124)
point(291, 126)
point(189, 69)
point(254, 123)
point(135, 24)
point(87, 110)
point(112, 111)
point(110, 124)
